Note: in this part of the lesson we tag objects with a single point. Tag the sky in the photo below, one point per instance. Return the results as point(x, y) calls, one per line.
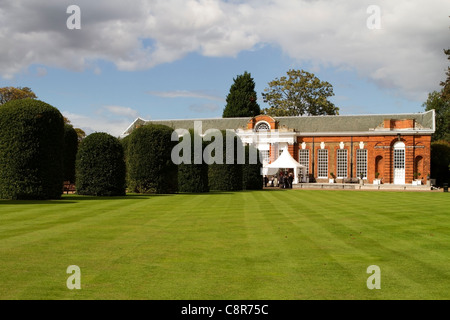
point(112, 61)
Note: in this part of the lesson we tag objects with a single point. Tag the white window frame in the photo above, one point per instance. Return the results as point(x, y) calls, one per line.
point(265, 156)
point(303, 158)
point(262, 124)
point(322, 163)
point(361, 163)
point(342, 163)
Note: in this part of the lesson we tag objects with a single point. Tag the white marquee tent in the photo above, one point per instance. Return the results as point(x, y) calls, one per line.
point(285, 161)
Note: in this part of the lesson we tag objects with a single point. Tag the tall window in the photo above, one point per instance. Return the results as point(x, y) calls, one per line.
point(322, 163)
point(303, 159)
point(342, 163)
point(361, 163)
point(265, 156)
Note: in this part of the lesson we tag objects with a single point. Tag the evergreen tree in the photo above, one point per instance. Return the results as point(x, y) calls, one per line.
point(241, 100)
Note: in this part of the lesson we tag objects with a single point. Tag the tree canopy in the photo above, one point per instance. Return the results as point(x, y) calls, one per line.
point(299, 93)
point(241, 100)
point(446, 84)
point(12, 93)
point(440, 102)
point(441, 107)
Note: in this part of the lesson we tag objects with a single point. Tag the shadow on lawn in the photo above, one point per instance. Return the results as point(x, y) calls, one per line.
point(74, 198)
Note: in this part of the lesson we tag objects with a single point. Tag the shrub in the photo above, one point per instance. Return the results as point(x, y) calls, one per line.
point(251, 172)
point(69, 152)
point(31, 145)
point(193, 177)
point(440, 161)
point(226, 177)
point(100, 166)
point(150, 166)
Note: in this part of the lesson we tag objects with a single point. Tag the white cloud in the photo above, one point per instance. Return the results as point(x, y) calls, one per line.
point(120, 111)
point(186, 94)
point(92, 124)
point(204, 108)
point(406, 54)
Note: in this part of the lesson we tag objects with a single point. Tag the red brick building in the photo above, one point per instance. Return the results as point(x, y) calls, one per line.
point(392, 148)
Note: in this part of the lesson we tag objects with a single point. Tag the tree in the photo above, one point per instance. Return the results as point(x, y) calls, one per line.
point(31, 146)
point(440, 162)
point(300, 93)
point(151, 169)
point(441, 107)
point(11, 93)
point(252, 178)
point(225, 175)
point(241, 100)
point(69, 152)
point(446, 84)
point(193, 177)
point(100, 166)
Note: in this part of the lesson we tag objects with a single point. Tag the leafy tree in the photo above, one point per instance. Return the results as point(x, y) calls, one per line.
point(193, 177)
point(300, 93)
point(440, 162)
point(225, 176)
point(252, 178)
point(241, 100)
point(150, 166)
point(446, 84)
point(69, 152)
point(31, 146)
point(11, 93)
point(441, 106)
point(100, 166)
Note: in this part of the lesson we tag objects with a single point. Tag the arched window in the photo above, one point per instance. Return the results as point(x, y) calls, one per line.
point(262, 126)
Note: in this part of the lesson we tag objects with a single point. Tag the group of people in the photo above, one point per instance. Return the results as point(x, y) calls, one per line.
point(282, 180)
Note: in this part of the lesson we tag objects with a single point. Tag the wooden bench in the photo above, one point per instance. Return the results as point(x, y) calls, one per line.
point(351, 180)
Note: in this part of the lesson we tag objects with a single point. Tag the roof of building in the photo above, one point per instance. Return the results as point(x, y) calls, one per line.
point(424, 122)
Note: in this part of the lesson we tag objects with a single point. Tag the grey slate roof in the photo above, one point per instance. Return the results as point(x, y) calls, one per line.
point(310, 124)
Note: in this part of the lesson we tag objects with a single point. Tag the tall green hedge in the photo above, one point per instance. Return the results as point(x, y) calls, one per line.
point(69, 152)
point(31, 146)
point(193, 177)
point(150, 167)
point(223, 176)
point(251, 170)
point(440, 162)
point(100, 166)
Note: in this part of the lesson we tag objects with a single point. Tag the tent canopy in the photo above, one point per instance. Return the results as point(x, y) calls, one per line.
point(284, 161)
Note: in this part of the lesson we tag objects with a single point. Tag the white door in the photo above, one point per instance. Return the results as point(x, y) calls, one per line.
point(399, 163)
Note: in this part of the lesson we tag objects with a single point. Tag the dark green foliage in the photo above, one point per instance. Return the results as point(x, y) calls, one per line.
point(241, 100)
point(193, 177)
point(300, 93)
point(150, 167)
point(440, 162)
point(251, 172)
point(226, 177)
point(31, 145)
point(100, 166)
point(70, 152)
point(124, 141)
point(441, 106)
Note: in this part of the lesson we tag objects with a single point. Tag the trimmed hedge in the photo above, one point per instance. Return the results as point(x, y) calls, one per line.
point(100, 166)
point(150, 167)
point(69, 152)
point(31, 146)
point(251, 172)
point(226, 177)
point(193, 178)
point(440, 162)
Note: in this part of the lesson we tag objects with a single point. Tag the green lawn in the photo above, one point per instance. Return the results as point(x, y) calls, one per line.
point(289, 245)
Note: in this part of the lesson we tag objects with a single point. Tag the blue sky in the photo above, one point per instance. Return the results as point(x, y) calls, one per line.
point(177, 59)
